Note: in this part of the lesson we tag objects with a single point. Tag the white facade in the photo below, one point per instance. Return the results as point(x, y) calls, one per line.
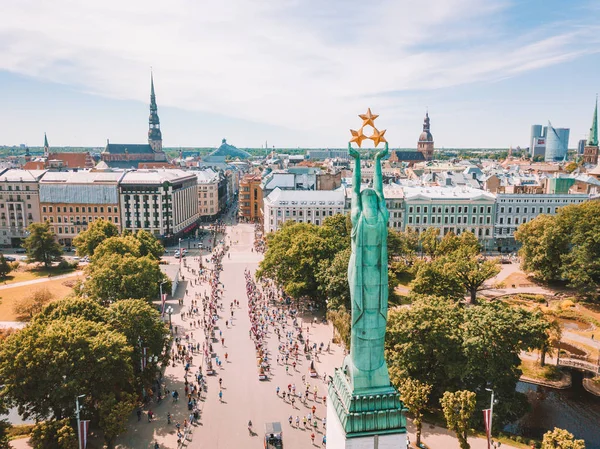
point(514, 209)
point(208, 191)
point(162, 202)
point(304, 206)
point(451, 209)
point(19, 204)
point(394, 200)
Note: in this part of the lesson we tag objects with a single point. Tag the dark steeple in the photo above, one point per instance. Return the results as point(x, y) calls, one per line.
point(46, 146)
point(426, 134)
point(154, 134)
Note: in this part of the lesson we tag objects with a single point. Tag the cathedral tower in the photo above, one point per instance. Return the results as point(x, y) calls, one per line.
point(425, 144)
point(590, 151)
point(154, 134)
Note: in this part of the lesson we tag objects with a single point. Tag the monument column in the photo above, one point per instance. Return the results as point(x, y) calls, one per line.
point(364, 410)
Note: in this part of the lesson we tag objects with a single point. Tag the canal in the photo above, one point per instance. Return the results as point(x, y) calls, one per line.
point(573, 409)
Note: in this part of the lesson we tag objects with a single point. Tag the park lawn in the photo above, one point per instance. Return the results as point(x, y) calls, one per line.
point(533, 370)
point(34, 273)
point(9, 296)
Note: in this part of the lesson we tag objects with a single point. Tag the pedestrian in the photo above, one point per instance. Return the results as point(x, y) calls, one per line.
point(277, 390)
point(312, 437)
point(169, 418)
point(220, 395)
point(290, 420)
point(297, 421)
point(150, 415)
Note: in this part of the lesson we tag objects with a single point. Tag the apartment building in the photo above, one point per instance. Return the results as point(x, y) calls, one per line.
point(303, 206)
point(70, 201)
point(451, 209)
point(251, 198)
point(162, 202)
point(208, 194)
point(19, 204)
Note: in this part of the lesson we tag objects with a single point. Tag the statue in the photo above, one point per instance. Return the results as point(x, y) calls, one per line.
point(368, 279)
point(363, 405)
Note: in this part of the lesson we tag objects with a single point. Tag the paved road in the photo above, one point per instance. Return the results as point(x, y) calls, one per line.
point(224, 424)
point(41, 280)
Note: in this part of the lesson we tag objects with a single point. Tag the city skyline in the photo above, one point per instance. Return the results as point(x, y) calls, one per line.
point(294, 75)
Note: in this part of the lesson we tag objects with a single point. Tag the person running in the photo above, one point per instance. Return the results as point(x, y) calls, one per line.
point(250, 427)
point(297, 421)
point(312, 437)
point(221, 396)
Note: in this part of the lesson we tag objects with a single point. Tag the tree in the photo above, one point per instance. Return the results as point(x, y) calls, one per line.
point(97, 231)
point(402, 244)
point(46, 364)
point(561, 439)
point(26, 308)
point(140, 323)
point(458, 408)
point(470, 270)
point(542, 247)
point(430, 240)
point(53, 434)
point(414, 395)
point(332, 278)
point(554, 334)
point(113, 413)
point(73, 307)
point(432, 279)
point(340, 319)
point(114, 277)
point(571, 167)
point(124, 246)
point(4, 267)
point(149, 245)
point(41, 245)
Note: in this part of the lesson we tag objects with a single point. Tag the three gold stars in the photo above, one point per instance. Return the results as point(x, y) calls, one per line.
point(368, 120)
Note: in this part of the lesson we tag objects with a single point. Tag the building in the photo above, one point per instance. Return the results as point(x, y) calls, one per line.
point(514, 209)
point(329, 181)
point(590, 151)
point(208, 194)
point(19, 204)
point(537, 141)
point(321, 155)
point(162, 202)
point(59, 161)
point(394, 201)
point(251, 198)
point(425, 143)
point(557, 144)
point(71, 200)
point(450, 209)
point(117, 155)
point(303, 206)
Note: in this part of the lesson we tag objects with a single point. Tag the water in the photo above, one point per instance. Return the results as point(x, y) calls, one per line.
point(573, 409)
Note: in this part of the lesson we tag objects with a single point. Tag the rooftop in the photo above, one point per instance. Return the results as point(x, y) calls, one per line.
point(277, 196)
point(82, 177)
point(156, 176)
point(446, 193)
point(16, 175)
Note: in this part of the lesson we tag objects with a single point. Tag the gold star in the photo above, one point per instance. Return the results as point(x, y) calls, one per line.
point(368, 118)
point(377, 136)
point(358, 137)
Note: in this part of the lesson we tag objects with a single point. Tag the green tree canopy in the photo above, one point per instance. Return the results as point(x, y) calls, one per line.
point(97, 231)
point(115, 277)
point(415, 395)
point(47, 364)
point(149, 245)
point(41, 244)
point(561, 439)
point(449, 346)
point(124, 246)
point(73, 307)
point(4, 267)
point(332, 278)
point(458, 409)
point(53, 434)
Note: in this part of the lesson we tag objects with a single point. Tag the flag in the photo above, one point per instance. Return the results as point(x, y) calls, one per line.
point(83, 430)
point(163, 299)
point(144, 358)
point(487, 418)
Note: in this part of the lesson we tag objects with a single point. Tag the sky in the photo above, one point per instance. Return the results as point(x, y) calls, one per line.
point(296, 73)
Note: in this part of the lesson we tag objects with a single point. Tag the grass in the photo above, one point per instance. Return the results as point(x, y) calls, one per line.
point(405, 278)
point(533, 370)
point(9, 296)
point(21, 275)
point(19, 431)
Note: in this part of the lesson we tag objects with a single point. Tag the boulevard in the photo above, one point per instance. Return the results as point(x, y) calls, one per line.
point(224, 423)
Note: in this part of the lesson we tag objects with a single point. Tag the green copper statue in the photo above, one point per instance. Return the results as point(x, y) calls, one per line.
point(368, 279)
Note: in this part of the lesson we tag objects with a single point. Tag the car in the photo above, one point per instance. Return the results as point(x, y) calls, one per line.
point(86, 259)
point(9, 258)
point(77, 258)
point(20, 251)
point(273, 436)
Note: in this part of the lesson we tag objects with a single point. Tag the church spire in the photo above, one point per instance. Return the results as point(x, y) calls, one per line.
point(46, 146)
point(154, 133)
point(593, 137)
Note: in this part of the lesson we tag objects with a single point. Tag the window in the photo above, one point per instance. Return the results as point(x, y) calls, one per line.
point(501, 220)
point(60, 230)
point(50, 209)
point(44, 209)
point(418, 210)
point(102, 210)
point(489, 209)
point(410, 210)
point(410, 220)
point(517, 210)
point(425, 209)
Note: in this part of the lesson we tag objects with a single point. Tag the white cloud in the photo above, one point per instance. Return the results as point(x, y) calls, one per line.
point(303, 64)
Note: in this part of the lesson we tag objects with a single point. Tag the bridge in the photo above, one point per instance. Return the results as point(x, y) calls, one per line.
point(593, 368)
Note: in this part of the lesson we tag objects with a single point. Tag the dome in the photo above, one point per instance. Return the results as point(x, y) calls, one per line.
point(425, 137)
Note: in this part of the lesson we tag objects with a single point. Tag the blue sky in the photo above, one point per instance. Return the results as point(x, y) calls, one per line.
point(296, 72)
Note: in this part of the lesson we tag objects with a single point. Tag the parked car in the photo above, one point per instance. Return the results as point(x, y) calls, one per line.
point(9, 258)
point(20, 251)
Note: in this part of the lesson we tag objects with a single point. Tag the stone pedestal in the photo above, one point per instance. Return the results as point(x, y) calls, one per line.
point(370, 419)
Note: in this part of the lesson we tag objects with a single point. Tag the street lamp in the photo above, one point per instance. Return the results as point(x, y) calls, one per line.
point(180, 250)
point(170, 311)
point(162, 301)
point(77, 409)
point(491, 415)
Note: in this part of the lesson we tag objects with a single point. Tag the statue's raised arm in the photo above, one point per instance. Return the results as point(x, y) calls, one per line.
point(356, 202)
point(378, 176)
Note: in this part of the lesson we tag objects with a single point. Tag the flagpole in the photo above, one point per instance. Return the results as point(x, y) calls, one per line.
point(77, 409)
point(491, 416)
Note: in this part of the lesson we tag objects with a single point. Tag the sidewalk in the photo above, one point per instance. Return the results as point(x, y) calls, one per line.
point(40, 280)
